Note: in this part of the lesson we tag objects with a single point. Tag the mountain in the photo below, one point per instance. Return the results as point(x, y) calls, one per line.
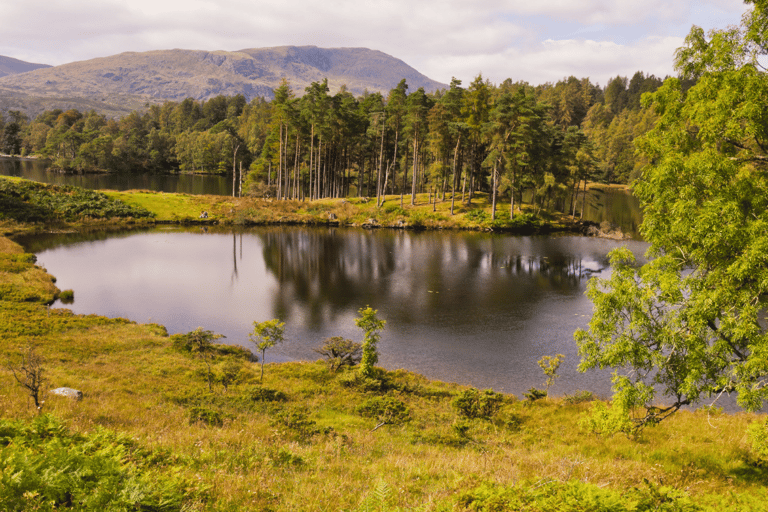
point(11, 66)
point(131, 80)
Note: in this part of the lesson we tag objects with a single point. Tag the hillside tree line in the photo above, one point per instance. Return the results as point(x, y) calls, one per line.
point(506, 140)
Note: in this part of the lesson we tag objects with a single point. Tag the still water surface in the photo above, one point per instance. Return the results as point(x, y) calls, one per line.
point(472, 308)
point(35, 170)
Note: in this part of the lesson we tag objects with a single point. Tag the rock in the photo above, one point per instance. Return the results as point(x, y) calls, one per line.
point(74, 394)
point(332, 216)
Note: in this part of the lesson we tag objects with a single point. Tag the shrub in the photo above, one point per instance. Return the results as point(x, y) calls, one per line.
point(205, 416)
point(607, 421)
point(534, 394)
point(364, 384)
point(472, 403)
point(579, 397)
point(385, 409)
point(340, 352)
point(261, 394)
point(295, 424)
point(758, 438)
point(67, 297)
point(477, 215)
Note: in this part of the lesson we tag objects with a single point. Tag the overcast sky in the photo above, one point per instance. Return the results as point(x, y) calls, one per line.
point(532, 40)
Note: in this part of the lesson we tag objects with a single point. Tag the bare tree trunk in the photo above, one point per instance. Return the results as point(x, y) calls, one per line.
point(415, 170)
point(280, 166)
point(512, 193)
point(453, 181)
point(234, 169)
point(493, 205)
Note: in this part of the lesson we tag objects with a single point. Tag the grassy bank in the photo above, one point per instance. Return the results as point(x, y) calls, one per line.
point(424, 214)
point(149, 434)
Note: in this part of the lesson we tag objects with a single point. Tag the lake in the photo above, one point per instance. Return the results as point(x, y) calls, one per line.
point(472, 308)
point(35, 170)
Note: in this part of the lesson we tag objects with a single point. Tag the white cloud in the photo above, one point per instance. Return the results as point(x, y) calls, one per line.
point(552, 60)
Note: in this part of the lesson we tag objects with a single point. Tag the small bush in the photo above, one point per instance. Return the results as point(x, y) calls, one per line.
point(472, 403)
point(607, 421)
point(360, 383)
point(283, 457)
point(205, 416)
point(295, 424)
point(385, 409)
point(534, 394)
point(340, 352)
point(579, 397)
point(477, 215)
point(393, 209)
point(758, 438)
point(67, 297)
point(261, 394)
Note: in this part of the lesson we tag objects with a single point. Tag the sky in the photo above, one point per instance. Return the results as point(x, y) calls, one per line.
point(536, 41)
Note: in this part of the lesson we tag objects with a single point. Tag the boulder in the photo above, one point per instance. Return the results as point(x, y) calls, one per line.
point(74, 394)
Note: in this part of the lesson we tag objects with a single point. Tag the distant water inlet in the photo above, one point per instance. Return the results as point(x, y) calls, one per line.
point(472, 308)
point(36, 170)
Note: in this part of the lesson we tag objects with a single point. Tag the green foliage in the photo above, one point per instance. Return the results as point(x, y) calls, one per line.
point(758, 439)
point(229, 372)
point(575, 496)
point(394, 209)
point(266, 335)
point(201, 343)
point(28, 201)
point(473, 403)
point(385, 409)
point(46, 468)
point(295, 424)
point(371, 326)
point(606, 420)
point(67, 296)
point(520, 222)
point(690, 322)
point(549, 365)
point(534, 394)
point(380, 499)
point(579, 397)
point(355, 380)
point(477, 215)
point(205, 416)
point(262, 394)
point(340, 352)
point(285, 458)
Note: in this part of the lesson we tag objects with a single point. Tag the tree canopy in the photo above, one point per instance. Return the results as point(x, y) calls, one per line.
point(690, 324)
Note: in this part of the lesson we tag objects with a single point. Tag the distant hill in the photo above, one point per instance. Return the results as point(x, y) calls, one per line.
point(11, 66)
point(131, 80)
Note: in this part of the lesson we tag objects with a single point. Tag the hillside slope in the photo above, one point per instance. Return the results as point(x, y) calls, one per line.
point(130, 80)
point(11, 66)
